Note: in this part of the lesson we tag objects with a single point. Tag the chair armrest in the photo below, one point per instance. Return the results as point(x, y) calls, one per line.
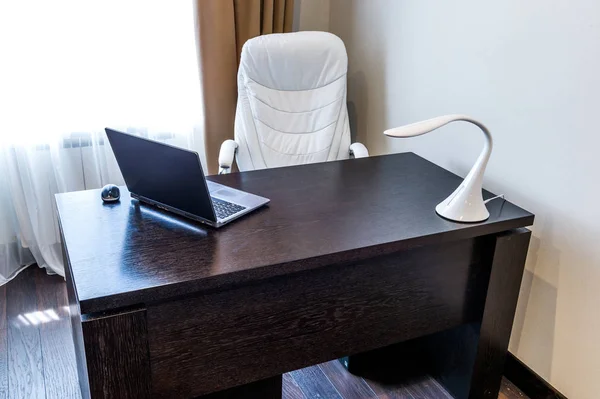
point(226, 154)
point(358, 150)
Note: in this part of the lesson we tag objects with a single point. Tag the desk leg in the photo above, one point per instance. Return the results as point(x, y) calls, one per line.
point(116, 354)
point(269, 388)
point(468, 360)
point(508, 265)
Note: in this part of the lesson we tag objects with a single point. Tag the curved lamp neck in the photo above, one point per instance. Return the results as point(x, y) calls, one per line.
point(419, 128)
point(481, 162)
point(466, 202)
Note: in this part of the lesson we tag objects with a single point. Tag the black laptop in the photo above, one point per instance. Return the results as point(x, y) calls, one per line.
point(171, 178)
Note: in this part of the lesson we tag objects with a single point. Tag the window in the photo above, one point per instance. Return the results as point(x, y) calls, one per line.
point(78, 66)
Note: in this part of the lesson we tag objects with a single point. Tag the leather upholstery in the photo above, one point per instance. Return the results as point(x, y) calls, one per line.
point(292, 100)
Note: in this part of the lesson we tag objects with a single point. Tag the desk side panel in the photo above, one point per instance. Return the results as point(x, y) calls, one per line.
point(467, 360)
point(75, 316)
point(116, 350)
point(235, 336)
point(510, 254)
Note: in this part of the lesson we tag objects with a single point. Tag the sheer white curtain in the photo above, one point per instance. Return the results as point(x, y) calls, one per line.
point(69, 69)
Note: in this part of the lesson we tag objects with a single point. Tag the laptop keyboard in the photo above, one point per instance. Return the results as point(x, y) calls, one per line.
point(224, 209)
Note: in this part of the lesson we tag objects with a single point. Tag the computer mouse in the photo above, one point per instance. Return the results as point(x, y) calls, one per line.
point(110, 193)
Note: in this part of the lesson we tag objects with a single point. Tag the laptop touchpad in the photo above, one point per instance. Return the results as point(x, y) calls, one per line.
point(228, 194)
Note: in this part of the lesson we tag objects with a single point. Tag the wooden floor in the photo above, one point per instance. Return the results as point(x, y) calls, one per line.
point(37, 358)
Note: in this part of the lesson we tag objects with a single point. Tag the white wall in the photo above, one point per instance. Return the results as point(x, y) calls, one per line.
point(531, 71)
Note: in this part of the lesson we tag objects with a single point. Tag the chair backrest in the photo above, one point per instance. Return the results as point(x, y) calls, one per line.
point(291, 105)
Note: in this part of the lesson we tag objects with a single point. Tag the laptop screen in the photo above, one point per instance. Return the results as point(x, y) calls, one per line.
point(162, 173)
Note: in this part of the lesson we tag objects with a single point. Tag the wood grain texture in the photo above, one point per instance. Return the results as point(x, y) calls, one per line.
point(508, 390)
point(256, 331)
point(468, 359)
point(508, 265)
point(117, 356)
point(426, 387)
point(3, 345)
point(60, 371)
point(229, 297)
point(3, 324)
point(3, 364)
point(271, 388)
point(315, 384)
point(290, 388)
point(126, 254)
point(448, 355)
point(422, 387)
point(348, 385)
point(26, 373)
point(76, 325)
point(398, 390)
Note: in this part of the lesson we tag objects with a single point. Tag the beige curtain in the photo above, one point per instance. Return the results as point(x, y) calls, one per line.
point(223, 28)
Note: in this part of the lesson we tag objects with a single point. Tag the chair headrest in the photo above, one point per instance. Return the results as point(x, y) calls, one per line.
point(294, 61)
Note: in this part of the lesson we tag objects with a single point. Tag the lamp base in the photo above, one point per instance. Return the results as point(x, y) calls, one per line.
point(466, 213)
point(460, 221)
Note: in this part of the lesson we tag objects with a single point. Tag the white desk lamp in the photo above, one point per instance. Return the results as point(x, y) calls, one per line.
point(466, 203)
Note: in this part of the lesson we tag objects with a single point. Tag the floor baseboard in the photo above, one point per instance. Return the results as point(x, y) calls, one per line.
point(528, 381)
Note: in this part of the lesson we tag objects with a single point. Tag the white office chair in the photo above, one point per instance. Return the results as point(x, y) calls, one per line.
point(291, 105)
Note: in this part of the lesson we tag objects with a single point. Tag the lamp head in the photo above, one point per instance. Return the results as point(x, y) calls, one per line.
point(419, 128)
point(465, 204)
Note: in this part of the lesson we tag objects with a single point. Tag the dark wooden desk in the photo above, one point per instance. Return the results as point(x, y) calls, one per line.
point(349, 257)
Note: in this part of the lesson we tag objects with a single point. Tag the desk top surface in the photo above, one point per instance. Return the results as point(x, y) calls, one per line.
point(125, 254)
